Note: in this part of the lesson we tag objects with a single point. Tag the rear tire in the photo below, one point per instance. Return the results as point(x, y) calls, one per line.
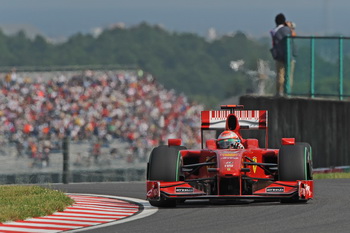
point(164, 165)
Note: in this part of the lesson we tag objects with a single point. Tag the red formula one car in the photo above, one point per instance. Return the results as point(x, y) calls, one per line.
point(175, 173)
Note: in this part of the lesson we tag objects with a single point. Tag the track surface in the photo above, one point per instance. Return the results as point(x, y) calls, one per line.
point(328, 212)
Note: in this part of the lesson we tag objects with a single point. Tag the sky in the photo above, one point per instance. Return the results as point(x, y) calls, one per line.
point(63, 18)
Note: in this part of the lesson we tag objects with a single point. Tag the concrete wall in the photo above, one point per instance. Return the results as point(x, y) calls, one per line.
point(324, 124)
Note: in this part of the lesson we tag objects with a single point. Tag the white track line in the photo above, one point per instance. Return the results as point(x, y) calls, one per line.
point(18, 229)
point(147, 211)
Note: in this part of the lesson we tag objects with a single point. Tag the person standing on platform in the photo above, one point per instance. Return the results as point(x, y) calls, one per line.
point(278, 50)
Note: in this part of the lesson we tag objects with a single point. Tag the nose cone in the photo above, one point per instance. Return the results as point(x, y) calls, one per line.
point(230, 162)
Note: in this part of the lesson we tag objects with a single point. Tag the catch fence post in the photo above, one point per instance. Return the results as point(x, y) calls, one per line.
point(341, 71)
point(65, 148)
point(288, 68)
point(312, 71)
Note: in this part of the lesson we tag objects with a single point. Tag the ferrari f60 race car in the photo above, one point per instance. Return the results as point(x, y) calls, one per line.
point(175, 173)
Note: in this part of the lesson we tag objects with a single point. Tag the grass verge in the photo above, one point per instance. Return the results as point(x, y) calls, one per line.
point(335, 175)
point(21, 202)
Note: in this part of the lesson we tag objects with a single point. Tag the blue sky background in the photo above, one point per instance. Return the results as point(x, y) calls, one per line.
point(56, 18)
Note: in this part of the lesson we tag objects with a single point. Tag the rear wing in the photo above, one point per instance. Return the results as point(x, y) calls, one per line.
point(247, 119)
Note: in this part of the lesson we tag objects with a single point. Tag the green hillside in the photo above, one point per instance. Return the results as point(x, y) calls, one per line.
point(182, 61)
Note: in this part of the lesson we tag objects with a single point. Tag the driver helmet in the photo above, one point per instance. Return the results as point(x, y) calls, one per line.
point(228, 139)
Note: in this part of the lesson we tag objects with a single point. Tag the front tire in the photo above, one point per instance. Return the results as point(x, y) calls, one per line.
point(164, 165)
point(295, 163)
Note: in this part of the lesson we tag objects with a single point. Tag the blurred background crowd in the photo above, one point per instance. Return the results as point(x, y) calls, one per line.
point(95, 107)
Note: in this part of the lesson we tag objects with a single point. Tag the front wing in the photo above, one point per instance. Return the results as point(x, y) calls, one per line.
point(297, 190)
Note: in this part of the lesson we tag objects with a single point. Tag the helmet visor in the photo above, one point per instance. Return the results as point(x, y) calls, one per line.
point(227, 143)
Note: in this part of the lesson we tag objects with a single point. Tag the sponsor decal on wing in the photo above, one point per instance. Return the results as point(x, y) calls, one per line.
point(153, 190)
point(183, 190)
point(275, 189)
point(305, 190)
point(248, 119)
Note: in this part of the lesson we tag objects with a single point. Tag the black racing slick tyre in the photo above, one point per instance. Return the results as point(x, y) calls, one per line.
point(295, 162)
point(164, 165)
point(308, 158)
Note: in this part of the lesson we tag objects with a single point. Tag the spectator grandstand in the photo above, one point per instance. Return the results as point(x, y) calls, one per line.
point(96, 107)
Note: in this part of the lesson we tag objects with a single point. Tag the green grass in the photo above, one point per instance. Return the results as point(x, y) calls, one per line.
point(21, 202)
point(335, 175)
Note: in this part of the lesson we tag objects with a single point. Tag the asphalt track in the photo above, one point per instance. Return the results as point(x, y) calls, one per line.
point(328, 212)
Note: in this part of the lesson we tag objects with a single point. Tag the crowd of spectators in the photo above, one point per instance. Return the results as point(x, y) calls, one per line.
point(36, 112)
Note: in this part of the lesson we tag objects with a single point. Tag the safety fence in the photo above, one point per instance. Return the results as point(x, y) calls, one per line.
point(318, 67)
point(115, 161)
point(110, 175)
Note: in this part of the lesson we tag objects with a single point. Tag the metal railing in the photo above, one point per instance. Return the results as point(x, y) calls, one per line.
point(115, 162)
point(335, 58)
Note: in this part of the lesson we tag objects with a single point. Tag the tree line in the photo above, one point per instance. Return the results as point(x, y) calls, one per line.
point(185, 62)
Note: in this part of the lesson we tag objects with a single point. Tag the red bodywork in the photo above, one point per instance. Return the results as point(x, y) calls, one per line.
point(249, 173)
